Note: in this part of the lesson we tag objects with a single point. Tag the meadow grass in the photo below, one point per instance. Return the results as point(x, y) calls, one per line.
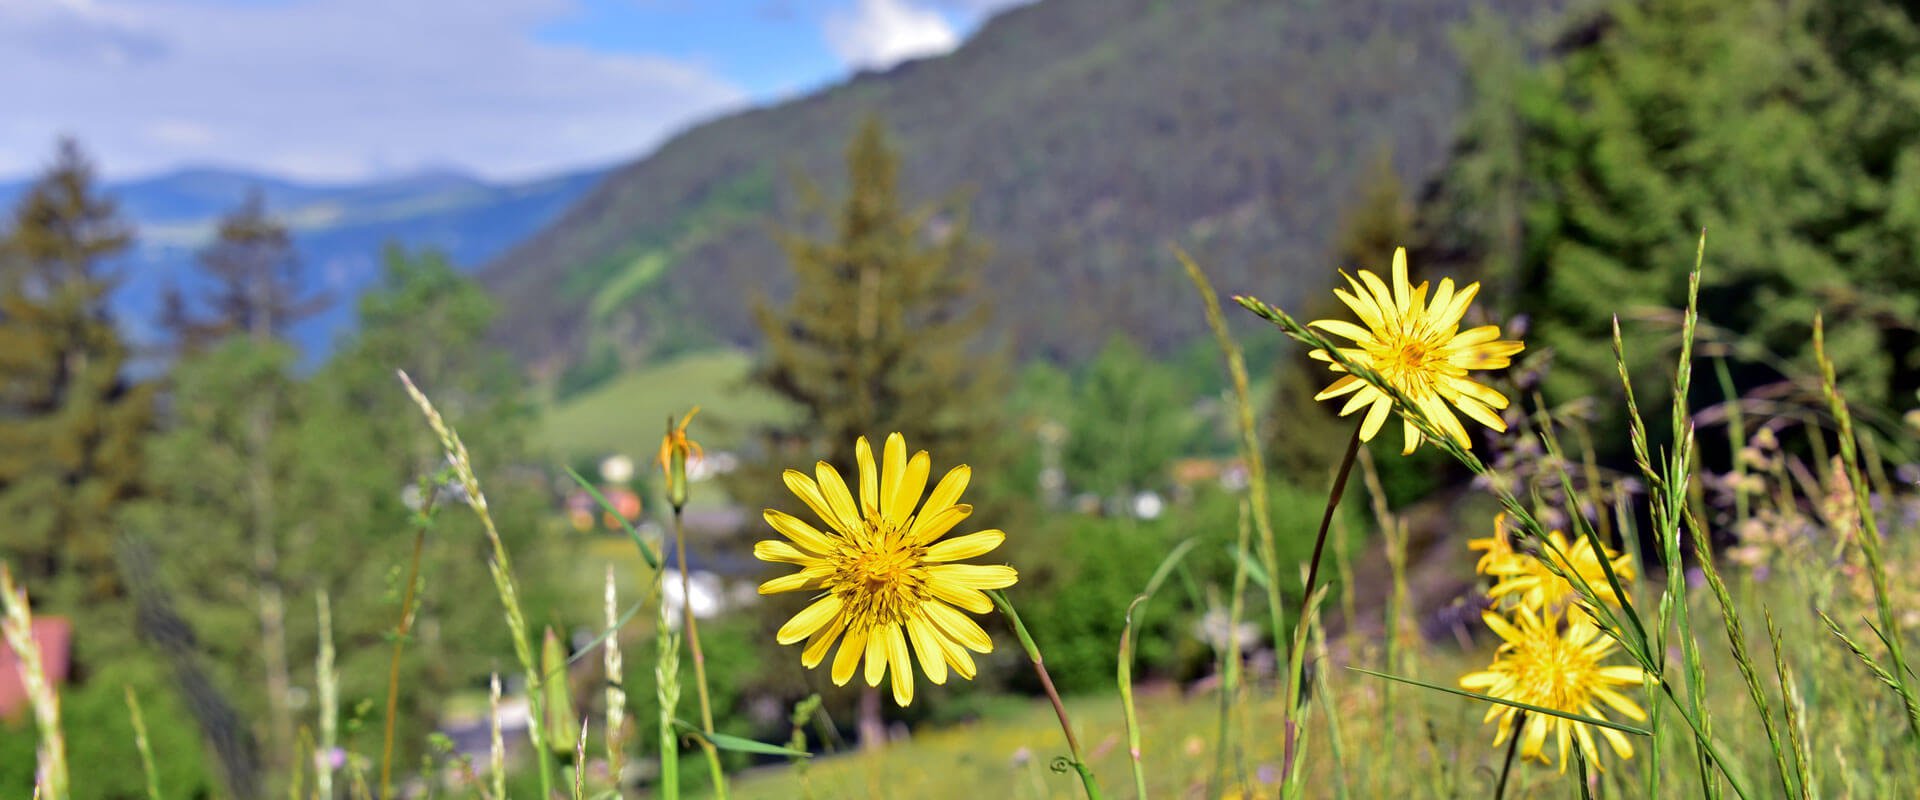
point(624, 415)
point(1779, 671)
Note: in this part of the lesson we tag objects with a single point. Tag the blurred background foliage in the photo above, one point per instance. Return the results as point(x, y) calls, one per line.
point(784, 269)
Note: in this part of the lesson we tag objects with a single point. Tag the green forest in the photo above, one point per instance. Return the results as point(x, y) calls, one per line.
point(1212, 400)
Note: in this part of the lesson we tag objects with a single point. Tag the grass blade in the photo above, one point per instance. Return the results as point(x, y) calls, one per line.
point(1618, 726)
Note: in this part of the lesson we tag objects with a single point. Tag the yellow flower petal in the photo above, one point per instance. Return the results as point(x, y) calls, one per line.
point(800, 532)
point(839, 500)
point(898, 506)
point(1349, 330)
point(808, 578)
point(965, 597)
point(877, 654)
point(901, 664)
point(820, 641)
point(848, 657)
point(1340, 387)
point(964, 547)
point(810, 619)
point(869, 477)
point(893, 467)
point(1376, 417)
point(927, 528)
point(1402, 290)
point(781, 552)
point(804, 488)
point(945, 493)
point(957, 626)
point(973, 576)
point(933, 658)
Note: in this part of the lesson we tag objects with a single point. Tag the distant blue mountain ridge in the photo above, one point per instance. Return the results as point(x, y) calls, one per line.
point(339, 231)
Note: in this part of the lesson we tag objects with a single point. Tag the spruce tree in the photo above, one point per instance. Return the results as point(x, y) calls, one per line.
point(880, 335)
point(1782, 130)
point(71, 422)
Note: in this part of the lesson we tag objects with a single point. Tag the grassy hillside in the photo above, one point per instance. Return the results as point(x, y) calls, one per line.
point(1088, 133)
point(627, 414)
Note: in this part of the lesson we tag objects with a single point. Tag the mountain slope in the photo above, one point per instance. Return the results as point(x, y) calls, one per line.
point(338, 230)
point(1090, 133)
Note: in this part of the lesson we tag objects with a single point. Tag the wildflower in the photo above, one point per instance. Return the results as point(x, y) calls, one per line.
point(1418, 348)
point(1524, 579)
point(885, 578)
point(675, 449)
point(1498, 546)
point(1539, 665)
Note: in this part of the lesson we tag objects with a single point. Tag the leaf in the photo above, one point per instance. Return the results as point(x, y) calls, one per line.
point(1252, 566)
point(632, 533)
point(739, 744)
point(1623, 728)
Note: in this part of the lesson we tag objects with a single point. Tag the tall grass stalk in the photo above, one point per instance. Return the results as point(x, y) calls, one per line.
point(1323, 689)
point(1796, 713)
point(17, 626)
point(401, 629)
point(1078, 759)
point(1125, 676)
point(1229, 669)
point(1249, 441)
point(496, 744)
point(327, 682)
point(1290, 772)
point(501, 568)
point(666, 681)
point(714, 769)
point(1869, 534)
point(616, 686)
point(141, 744)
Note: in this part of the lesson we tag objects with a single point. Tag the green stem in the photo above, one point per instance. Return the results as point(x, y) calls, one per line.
point(1078, 760)
point(1296, 662)
point(699, 661)
point(393, 666)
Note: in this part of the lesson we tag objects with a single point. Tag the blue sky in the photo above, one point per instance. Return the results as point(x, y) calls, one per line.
point(343, 90)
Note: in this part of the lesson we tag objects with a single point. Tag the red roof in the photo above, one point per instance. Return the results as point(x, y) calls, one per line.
point(54, 635)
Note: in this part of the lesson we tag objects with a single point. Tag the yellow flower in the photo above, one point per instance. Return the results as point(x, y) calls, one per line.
point(1525, 580)
point(1498, 546)
point(676, 443)
point(675, 449)
point(1541, 666)
point(884, 577)
point(1419, 349)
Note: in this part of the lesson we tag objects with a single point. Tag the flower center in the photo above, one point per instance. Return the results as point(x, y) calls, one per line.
point(881, 583)
point(1555, 674)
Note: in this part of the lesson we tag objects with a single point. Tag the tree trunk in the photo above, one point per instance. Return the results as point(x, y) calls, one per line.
point(873, 729)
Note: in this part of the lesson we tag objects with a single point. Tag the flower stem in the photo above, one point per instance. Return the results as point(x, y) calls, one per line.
point(393, 667)
point(1296, 666)
point(699, 661)
point(1078, 761)
point(1506, 767)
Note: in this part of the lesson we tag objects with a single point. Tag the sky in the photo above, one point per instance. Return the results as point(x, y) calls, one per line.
point(347, 90)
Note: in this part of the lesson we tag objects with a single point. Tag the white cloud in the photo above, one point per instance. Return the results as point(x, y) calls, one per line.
point(334, 89)
point(881, 33)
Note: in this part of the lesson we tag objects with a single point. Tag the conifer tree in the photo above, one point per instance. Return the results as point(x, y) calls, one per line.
point(71, 423)
point(1782, 130)
point(254, 278)
point(232, 404)
point(879, 336)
